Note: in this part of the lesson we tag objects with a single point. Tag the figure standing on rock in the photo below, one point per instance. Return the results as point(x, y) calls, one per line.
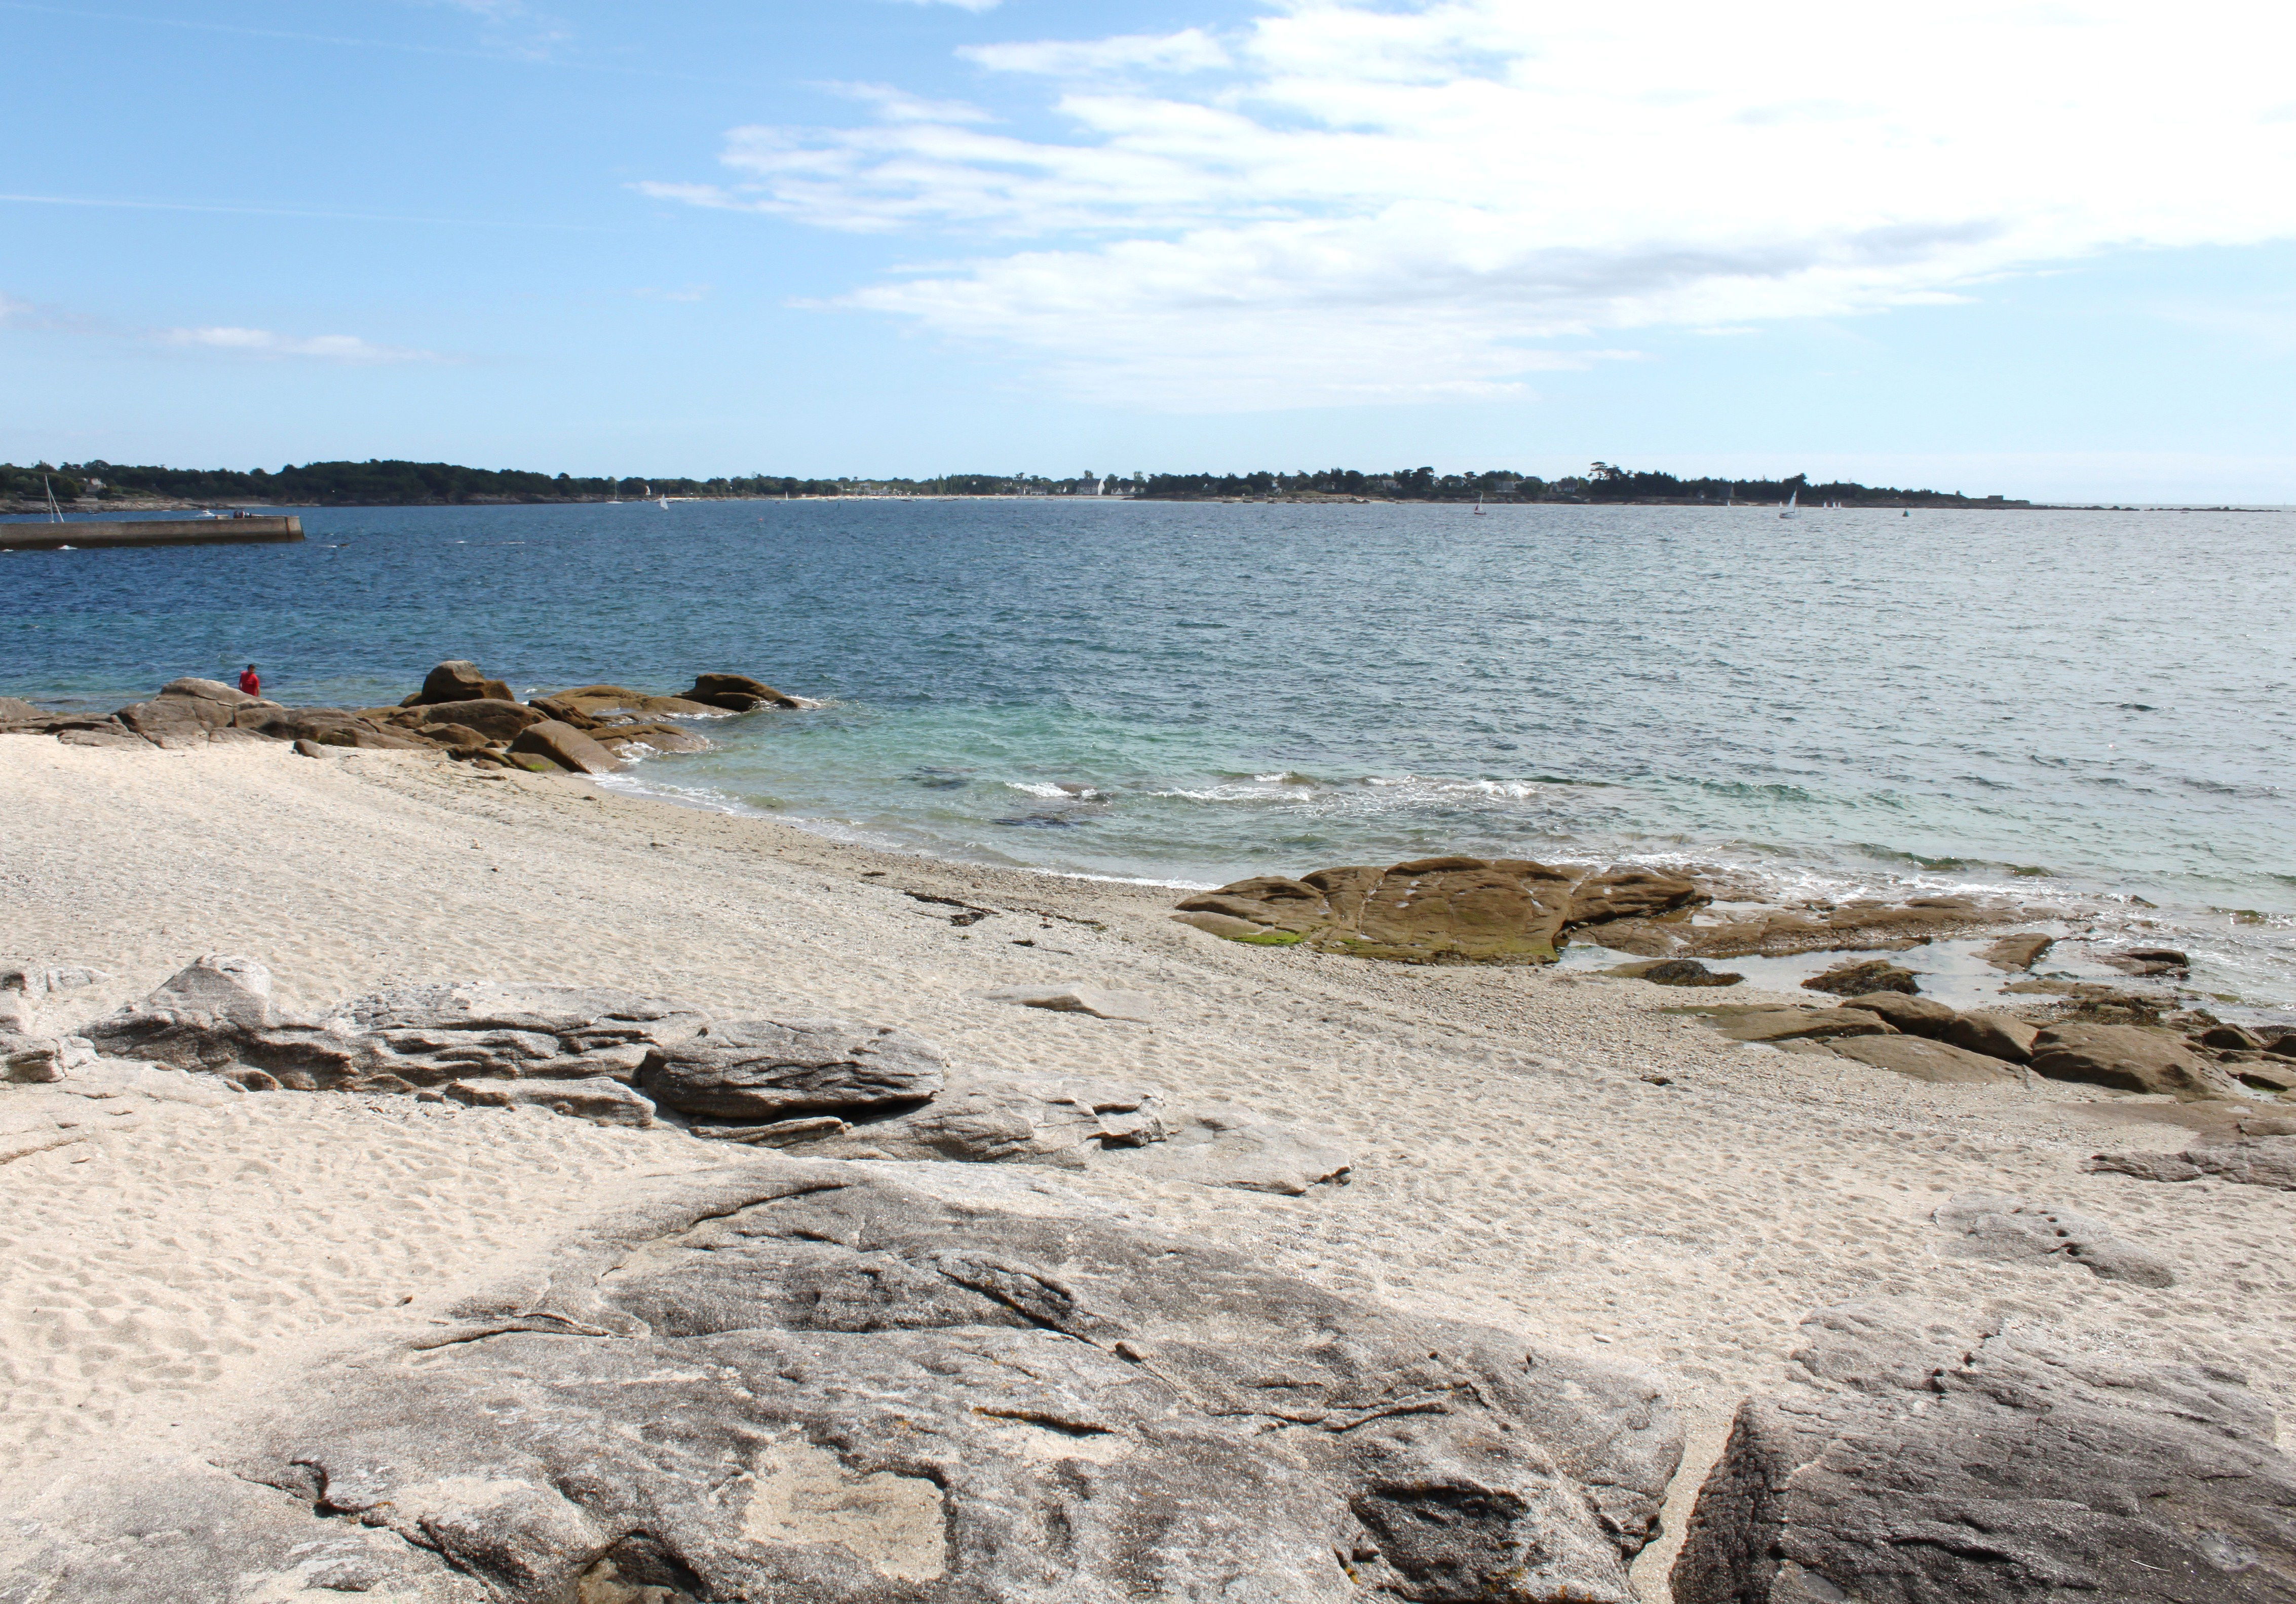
point(249, 682)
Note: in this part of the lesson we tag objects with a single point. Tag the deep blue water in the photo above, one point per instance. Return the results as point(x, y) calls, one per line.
point(2072, 704)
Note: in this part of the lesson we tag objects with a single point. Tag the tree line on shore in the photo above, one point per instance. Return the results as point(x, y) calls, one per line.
point(377, 483)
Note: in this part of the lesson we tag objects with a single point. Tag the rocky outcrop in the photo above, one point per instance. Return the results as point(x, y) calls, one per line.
point(812, 1383)
point(1921, 1454)
point(2128, 1058)
point(566, 747)
point(2247, 1160)
point(459, 712)
point(1448, 910)
point(216, 1015)
point(768, 1070)
point(2011, 1231)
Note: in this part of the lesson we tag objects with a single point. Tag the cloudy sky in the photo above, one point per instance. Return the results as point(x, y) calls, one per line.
point(2044, 249)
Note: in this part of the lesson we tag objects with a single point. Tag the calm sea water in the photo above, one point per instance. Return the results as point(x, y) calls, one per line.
point(2072, 705)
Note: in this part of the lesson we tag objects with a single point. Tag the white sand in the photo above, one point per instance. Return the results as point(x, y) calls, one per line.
point(1514, 1167)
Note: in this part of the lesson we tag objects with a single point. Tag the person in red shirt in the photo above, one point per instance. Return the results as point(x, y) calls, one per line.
point(249, 682)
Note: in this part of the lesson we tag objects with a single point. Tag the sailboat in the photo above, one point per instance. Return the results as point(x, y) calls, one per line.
point(1789, 510)
point(56, 513)
point(1478, 506)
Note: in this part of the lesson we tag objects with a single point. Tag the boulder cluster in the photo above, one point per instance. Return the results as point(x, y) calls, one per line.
point(589, 729)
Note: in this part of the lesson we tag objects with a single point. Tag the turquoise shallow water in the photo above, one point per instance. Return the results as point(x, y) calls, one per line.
point(2073, 705)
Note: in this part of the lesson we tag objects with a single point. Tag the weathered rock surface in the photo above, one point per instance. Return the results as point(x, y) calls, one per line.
point(216, 1015)
point(2015, 1231)
point(2017, 952)
point(1925, 1457)
point(1869, 978)
point(1783, 932)
point(599, 1100)
point(13, 710)
point(2130, 1057)
point(768, 1070)
point(736, 693)
point(2248, 1160)
point(2148, 960)
point(814, 1385)
point(176, 722)
point(458, 680)
point(326, 726)
point(1447, 910)
point(1928, 1060)
point(1801, 1024)
point(567, 747)
point(599, 702)
point(1672, 971)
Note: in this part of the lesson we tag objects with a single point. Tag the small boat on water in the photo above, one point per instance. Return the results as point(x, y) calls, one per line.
point(1789, 510)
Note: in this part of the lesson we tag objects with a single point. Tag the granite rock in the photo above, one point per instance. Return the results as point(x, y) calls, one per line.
point(1923, 1456)
point(2246, 1160)
point(2130, 1057)
point(763, 1070)
point(1928, 1060)
point(809, 1383)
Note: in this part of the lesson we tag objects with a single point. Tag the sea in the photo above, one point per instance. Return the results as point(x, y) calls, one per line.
point(2091, 711)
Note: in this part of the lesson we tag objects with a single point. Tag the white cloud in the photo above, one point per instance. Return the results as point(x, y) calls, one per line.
point(264, 342)
point(1348, 198)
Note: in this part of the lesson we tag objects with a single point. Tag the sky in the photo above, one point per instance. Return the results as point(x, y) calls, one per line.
point(2042, 250)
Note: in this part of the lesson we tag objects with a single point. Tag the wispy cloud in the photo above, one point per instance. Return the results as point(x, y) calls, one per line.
point(264, 342)
point(1345, 199)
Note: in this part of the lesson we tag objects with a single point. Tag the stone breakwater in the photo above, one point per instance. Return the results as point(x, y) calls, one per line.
point(459, 711)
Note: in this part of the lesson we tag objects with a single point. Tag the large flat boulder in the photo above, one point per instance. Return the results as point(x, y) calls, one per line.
point(810, 1384)
point(2019, 952)
point(2130, 1057)
point(14, 710)
point(1445, 909)
point(1914, 1016)
point(1994, 1034)
point(1861, 926)
point(324, 726)
point(208, 690)
point(176, 722)
point(1919, 1455)
point(595, 701)
point(1928, 1060)
point(772, 1069)
point(1799, 1024)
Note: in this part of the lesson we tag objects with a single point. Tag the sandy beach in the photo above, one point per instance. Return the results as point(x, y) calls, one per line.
point(1552, 1154)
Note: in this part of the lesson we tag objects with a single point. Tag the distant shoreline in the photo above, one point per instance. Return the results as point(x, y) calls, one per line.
point(90, 510)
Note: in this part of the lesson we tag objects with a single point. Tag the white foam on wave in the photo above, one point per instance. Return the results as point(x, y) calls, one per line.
point(1055, 793)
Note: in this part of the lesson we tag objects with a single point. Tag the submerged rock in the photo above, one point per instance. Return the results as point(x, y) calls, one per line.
point(811, 1383)
point(1864, 979)
point(1672, 971)
point(1923, 1455)
point(2017, 952)
point(737, 693)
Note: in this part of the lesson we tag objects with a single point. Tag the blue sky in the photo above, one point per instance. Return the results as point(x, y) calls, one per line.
point(2040, 249)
